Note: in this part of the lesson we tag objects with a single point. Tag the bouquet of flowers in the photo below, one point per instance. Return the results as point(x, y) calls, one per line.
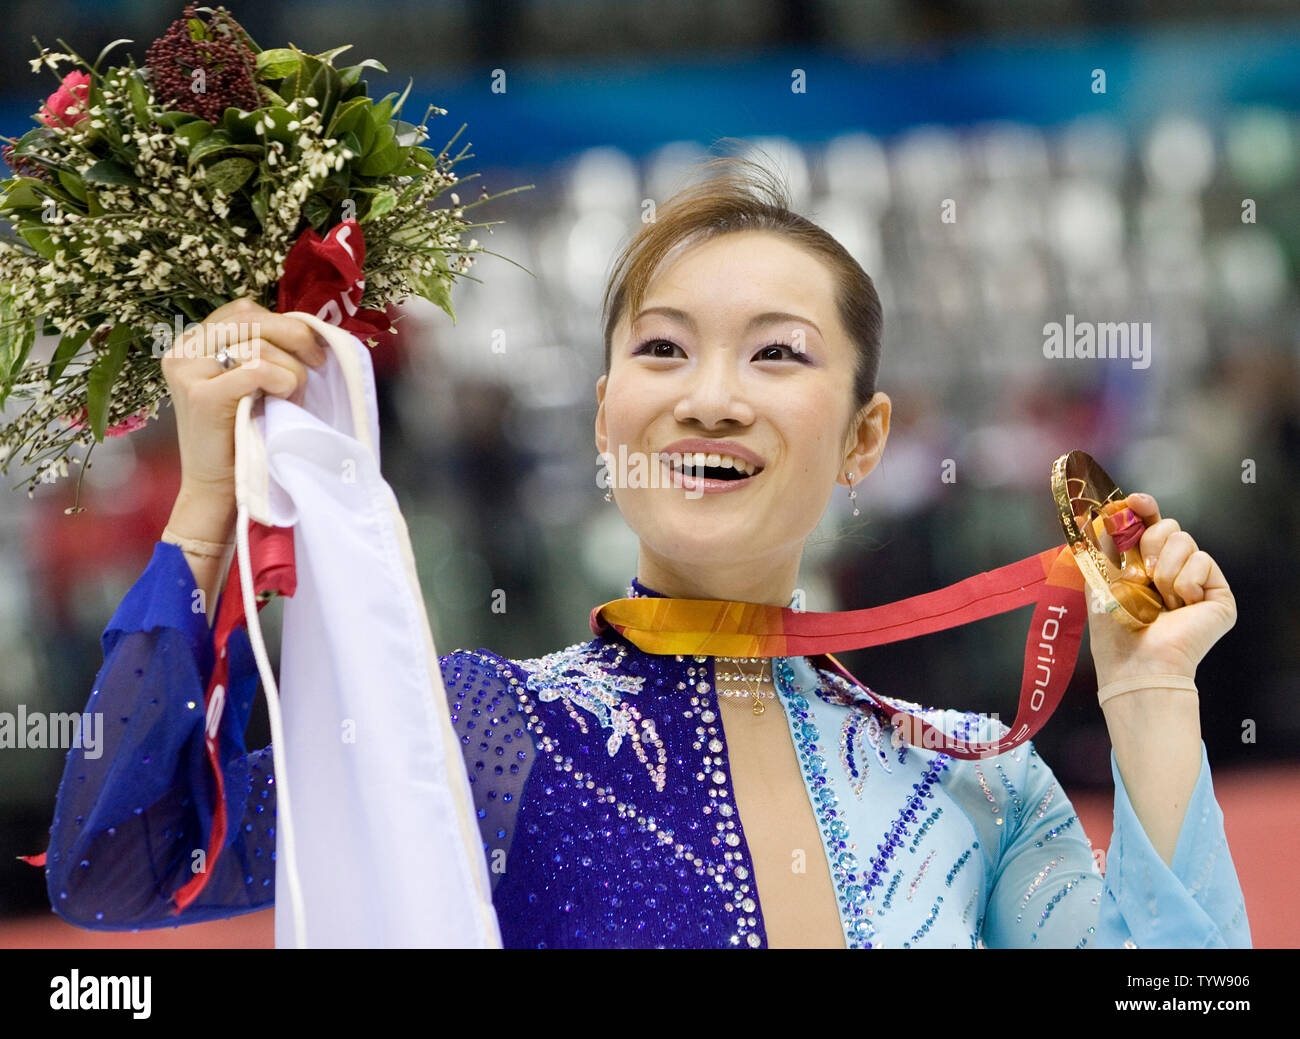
point(148, 197)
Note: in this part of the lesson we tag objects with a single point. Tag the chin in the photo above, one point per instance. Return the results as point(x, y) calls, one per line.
point(692, 533)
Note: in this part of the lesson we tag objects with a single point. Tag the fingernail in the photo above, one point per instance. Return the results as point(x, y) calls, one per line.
point(1150, 563)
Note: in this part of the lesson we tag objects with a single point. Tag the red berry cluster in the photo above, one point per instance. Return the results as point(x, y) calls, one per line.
point(224, 54)
point(23, 166)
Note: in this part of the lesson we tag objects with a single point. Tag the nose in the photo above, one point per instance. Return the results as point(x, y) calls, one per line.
point(714, 394)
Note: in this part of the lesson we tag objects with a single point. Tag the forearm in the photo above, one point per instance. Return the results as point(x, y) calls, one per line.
point(1156, 736)
point(206, 518)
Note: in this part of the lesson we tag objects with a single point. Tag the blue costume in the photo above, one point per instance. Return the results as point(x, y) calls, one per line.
point(604, 797)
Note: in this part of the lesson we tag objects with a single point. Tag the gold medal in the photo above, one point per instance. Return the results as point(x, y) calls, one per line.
point(1089, 504)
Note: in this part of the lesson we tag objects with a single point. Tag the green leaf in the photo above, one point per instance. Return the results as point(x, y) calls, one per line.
point(173, 119)
point(351, 75)
point(384, 202)
point(270, 96)
point(351, 90)
point(317, 210)
point(106, 171)
point(190, 134)
point(198, 31)
point(384, 156)
point(348, 116)
point(329, 56)
point(325, 86)
point(16, 341)
point(240, 125)
point(65, 352)
point(298, 83)
point(352, 143)
point(422, 157)
point(32, 141)
point(408, 134)
point(72, 185)
point(105, 51)
point(385, 110)
point(22, 193)
point(38, 237)
point(261, 203)
point(397, 108)
point(436, 290)
point(229, 175)
point(279, 117)
point(278, 63)
point(139, 99)
point(208, 144)
point(103, 373)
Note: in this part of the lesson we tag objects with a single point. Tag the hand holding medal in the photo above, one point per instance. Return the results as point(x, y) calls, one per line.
point(1167, 600)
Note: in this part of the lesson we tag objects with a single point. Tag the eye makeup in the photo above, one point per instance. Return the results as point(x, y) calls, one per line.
point(796, 355)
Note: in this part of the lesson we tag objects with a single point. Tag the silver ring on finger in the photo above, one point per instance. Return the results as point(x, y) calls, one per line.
point(226, 359)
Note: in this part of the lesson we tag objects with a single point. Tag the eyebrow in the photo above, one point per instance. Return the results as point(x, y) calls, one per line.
point(769, 317)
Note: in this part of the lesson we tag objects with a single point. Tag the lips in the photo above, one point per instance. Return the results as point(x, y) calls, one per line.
point(705, 480)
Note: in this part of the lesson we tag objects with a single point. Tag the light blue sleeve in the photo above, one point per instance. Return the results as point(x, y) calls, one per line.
point(1048, 892)
point(1194, 903)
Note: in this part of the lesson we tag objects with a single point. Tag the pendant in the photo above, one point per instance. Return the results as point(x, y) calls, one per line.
point(758, 707)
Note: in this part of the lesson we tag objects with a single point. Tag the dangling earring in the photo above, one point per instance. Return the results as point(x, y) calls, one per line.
point(853, 494)
point(608, 496)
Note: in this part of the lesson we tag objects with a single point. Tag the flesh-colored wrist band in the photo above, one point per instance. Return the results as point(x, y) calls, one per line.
point(1128, 685)
point(196, 546)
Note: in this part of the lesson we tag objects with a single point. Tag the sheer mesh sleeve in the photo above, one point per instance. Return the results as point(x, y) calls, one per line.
point(1048, 891)
point(496, 744)
point(132, 815)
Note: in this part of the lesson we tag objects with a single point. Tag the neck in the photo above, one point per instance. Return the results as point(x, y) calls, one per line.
point(772, 583)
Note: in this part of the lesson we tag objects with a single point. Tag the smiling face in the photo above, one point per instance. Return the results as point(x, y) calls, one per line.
point(738, 345)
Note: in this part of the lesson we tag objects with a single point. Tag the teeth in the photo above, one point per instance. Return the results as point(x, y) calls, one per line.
point(698, 460)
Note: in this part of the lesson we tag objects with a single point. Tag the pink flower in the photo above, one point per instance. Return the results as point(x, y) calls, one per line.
point(66, 107)
point(128, 425)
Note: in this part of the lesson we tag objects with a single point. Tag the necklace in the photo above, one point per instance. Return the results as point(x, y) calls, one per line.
point(757, 695)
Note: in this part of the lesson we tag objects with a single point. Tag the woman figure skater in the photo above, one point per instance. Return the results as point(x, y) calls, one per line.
point(631, 799)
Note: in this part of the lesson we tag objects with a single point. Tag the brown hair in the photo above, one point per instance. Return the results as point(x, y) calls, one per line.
point(746, 196)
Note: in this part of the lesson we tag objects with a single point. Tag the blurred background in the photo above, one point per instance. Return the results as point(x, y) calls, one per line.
point(1107, 160)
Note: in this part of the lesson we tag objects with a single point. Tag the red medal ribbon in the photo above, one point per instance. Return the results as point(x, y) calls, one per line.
point(1050, 579)
point(271, 553)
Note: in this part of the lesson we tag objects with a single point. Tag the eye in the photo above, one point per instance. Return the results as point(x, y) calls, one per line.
point(791, 352)
point(651, 348)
